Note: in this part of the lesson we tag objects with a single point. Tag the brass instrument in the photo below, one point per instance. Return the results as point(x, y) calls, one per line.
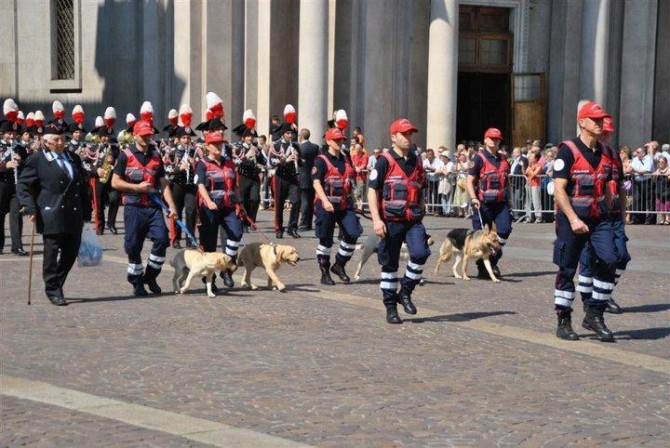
point(106, 165)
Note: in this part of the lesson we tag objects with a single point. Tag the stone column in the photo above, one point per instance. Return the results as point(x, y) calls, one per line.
point(313, 67)
point(442, 74)
point(595, 50)
point(263, 73)
point(8, 57)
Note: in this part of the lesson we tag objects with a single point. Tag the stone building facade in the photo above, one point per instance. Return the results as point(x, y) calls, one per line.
point(453, 67)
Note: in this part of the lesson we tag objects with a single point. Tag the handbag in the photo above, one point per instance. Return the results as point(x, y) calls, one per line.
point(462, 184)
point(90, 251)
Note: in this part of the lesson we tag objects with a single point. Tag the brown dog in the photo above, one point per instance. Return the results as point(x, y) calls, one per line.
point(467, 244)
point(268, 256)
point(192, 263)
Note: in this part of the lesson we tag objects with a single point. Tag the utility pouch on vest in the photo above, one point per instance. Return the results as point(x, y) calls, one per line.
point(396, 192)
point(586, 186)
point(394, 209)
point(491, 196)
point(581, 206)
point(135, 175)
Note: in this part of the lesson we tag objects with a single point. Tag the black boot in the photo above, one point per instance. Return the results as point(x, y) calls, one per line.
point(564, 330)
point(227, 279)
point(392, 316)
point(594, 321)
point(326, 279)
point(613, 307)
point(338, 270)
point(150, 280)
point(293, 233)
point(405, 299)
point(280, 233)
point(138, 285)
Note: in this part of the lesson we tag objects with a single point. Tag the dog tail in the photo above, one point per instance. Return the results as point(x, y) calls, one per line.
point(446, 251)
point(359, 246)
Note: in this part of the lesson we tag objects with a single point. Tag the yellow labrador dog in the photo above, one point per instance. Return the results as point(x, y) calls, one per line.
point(192, 263)
point(268, 256)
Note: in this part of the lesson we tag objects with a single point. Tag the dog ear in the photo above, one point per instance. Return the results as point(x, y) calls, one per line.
point(279, 252)
point(487, 229)
point(494, 229)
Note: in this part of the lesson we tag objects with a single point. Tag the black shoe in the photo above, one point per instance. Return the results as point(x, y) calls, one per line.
point(304, 228)
point(100, 231)
point(227, 279)
point(496, 271)
point(483, 274)
point(153, 286)
point(294, 233)
point(20, 252)
point(112, 228)
point(405, 299)
point(215, 288)
point(139, 290)
point(57, 300)
point(564, 330)
point(613, 307)
point(326, 279)
point(594, 321)
point(280, 234)
point(338, 270)
point(176, 245)
point(392, 316)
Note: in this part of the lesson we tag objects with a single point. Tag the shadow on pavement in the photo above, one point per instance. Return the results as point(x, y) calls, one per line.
point(530, 274)
point(646, 333)
point(460, 317)
point(651, 308)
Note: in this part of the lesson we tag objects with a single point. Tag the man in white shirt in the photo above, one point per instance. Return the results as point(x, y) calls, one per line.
point(643, 166)
point(432, 165)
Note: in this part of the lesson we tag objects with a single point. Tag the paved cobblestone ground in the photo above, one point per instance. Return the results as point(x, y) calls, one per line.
point(321, 366)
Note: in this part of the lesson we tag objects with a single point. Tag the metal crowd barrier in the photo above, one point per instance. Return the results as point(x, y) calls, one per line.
point(645, 195)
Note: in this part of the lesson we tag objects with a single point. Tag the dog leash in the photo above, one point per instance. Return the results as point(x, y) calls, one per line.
point(179, 222)
point(258, 229)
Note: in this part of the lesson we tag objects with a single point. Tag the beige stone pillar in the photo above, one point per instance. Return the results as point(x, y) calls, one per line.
point(313, 67)
point(442, 74)
point(595, 50)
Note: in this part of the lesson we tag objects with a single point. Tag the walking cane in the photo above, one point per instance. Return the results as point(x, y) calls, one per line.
point(30, 261)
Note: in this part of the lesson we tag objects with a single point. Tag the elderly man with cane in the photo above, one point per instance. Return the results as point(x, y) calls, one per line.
point(54, 194)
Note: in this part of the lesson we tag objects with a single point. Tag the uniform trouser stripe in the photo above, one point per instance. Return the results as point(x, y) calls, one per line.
point(393, 286)
point(563, 298)
point(585, 284)
point(563, 302)
point(135, 269)
point(323, 250)
point(156, 258)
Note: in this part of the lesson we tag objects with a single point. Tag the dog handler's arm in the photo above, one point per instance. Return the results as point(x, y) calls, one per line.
point(378, 224)
point(563, 203)
point(167, 194)
point(204, 194)
point(318, 189)
point(470, 184)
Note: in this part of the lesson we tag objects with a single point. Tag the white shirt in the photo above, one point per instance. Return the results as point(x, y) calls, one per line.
point(436, 164)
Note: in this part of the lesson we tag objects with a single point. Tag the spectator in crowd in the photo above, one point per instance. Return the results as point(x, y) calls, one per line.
point(431, 166)
point(661, 179)
point(643, 167)
point(665, 151)
point(548, 171)
point(360, 160)
point(372, 159)
point(533, 173)
point(447, 182)
point(308, 152)
point(626, 163)
point(518, 164)
point(358, 135)
point(460, 203)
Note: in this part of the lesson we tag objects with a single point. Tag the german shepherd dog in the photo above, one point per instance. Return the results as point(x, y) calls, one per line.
point(466, 244)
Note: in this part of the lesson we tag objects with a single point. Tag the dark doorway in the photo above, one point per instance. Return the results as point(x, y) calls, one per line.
point(483, 102)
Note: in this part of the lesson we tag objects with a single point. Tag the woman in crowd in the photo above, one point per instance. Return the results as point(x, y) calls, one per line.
point(461, 194)
point(624, 154)
point(533, 173)
point(662, 182)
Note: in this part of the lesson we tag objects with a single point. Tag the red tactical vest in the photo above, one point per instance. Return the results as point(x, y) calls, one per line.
point(337, 186)
point(401, 194)
point(587, 185)
point(613, 185)
point(492, 184)
point(136, 173)
point(221, 182)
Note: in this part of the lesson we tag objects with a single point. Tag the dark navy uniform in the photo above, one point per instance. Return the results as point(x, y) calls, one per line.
point(587, 172)
point(54, 188)
point(286, 185)
point(336, 176)
point(586, 274)
point(184, 191)
point(9, 202)
point(399, 182)
point(249, 160)
point(142, 216)
point(491, 173)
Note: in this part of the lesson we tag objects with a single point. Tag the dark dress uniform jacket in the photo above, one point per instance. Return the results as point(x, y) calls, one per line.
point(62, 204)
point(308, 152)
